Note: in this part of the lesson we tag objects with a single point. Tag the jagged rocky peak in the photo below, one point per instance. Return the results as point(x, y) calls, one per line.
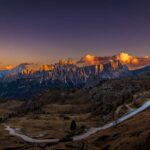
point(133, 62)
point(110, 66)
point(126, 58)
point(69, 72)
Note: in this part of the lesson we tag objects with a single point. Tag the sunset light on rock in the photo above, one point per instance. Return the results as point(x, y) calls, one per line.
point(126, 58)
point(88, 59)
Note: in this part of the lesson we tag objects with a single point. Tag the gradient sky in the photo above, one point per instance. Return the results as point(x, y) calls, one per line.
point(46, 30)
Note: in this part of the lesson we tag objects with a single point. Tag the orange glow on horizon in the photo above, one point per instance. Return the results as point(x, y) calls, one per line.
point(9, 67)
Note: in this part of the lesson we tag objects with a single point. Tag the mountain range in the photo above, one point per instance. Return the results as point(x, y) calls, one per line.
point(29, 78)
point(132, 62)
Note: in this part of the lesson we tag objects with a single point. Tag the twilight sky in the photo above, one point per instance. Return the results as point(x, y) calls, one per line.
point(46, 30)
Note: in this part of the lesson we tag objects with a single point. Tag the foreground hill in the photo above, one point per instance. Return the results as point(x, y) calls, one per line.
point(50, 113)
point(132, 134)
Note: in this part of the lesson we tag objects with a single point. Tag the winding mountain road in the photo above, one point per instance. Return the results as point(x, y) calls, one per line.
point(91, 131)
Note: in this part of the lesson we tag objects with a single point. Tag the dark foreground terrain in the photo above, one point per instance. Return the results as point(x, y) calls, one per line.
point(50, 113)
point(132, 134)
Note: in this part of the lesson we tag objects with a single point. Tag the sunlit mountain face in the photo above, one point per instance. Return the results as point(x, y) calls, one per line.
point(89, 71)
point(132, 62)
point(127, 59)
